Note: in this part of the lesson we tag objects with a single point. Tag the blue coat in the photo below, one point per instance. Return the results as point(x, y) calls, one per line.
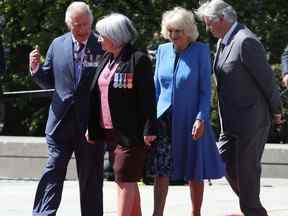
point(188, 90)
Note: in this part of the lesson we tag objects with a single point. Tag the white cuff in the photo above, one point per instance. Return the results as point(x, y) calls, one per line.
point(32, 72)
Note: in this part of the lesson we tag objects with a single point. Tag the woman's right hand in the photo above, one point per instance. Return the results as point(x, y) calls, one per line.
point(88, 139)
point(198, 129)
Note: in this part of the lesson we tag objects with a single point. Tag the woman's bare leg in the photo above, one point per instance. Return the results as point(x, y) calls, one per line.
point(161, 184)
point(128, 199)
point(196, 195)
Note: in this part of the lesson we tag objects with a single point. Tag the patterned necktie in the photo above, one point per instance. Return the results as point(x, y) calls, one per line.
point(221, 48)
point(219, 54)
point(78, 47)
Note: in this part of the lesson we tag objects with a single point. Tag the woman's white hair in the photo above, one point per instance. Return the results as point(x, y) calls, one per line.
point(118, 28)
point(216, 9)
point(182, 19)
point(77, 7)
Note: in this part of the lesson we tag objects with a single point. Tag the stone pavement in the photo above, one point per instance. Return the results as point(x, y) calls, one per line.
point(16, 199)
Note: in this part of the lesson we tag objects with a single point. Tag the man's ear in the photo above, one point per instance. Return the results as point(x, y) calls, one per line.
point(68, 26)
point(221, 18)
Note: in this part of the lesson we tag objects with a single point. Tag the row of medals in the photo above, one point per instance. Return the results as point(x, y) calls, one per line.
point(123, 80)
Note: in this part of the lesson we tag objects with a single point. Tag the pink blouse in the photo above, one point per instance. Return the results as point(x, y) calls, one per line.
point(103, 84)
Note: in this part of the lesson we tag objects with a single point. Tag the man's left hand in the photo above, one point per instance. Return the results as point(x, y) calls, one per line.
point(277, 119)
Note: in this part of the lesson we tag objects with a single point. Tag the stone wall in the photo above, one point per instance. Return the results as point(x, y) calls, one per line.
point(25, 157)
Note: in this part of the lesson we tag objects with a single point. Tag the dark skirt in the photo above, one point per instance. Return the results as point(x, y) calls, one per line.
point(159, 162)
point(128, 161)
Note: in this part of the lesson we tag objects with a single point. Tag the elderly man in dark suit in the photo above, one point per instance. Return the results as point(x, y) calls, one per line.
point(248, 100)
point(69, 66)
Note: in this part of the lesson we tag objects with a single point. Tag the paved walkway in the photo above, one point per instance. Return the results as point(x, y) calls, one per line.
point(16, 199)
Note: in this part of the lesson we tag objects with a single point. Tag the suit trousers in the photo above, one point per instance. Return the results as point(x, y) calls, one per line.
point(69, 138)
point(242, 156)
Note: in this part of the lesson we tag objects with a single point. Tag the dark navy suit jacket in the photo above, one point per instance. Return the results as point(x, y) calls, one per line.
point(58, 72)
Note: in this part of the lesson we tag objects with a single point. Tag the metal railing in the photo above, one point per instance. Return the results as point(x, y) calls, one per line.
point(7, 96)
point(276, 133)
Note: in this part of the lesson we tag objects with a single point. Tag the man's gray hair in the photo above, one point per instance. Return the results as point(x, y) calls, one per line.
point(77, 6)
point(118, 28)
point(216, 9)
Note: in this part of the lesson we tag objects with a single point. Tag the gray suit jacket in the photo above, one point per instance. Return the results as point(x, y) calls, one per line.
point(247, 92)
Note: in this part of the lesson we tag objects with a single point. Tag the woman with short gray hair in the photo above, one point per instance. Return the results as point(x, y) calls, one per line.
point(122, 107)
point(117, 27)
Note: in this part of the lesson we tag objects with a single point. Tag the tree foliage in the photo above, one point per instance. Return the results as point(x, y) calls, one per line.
point(31, 22)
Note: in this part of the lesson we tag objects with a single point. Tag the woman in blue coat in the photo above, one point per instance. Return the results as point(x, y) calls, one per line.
point(186, 148)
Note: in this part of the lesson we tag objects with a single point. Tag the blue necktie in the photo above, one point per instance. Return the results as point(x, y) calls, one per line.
point(78, 61)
